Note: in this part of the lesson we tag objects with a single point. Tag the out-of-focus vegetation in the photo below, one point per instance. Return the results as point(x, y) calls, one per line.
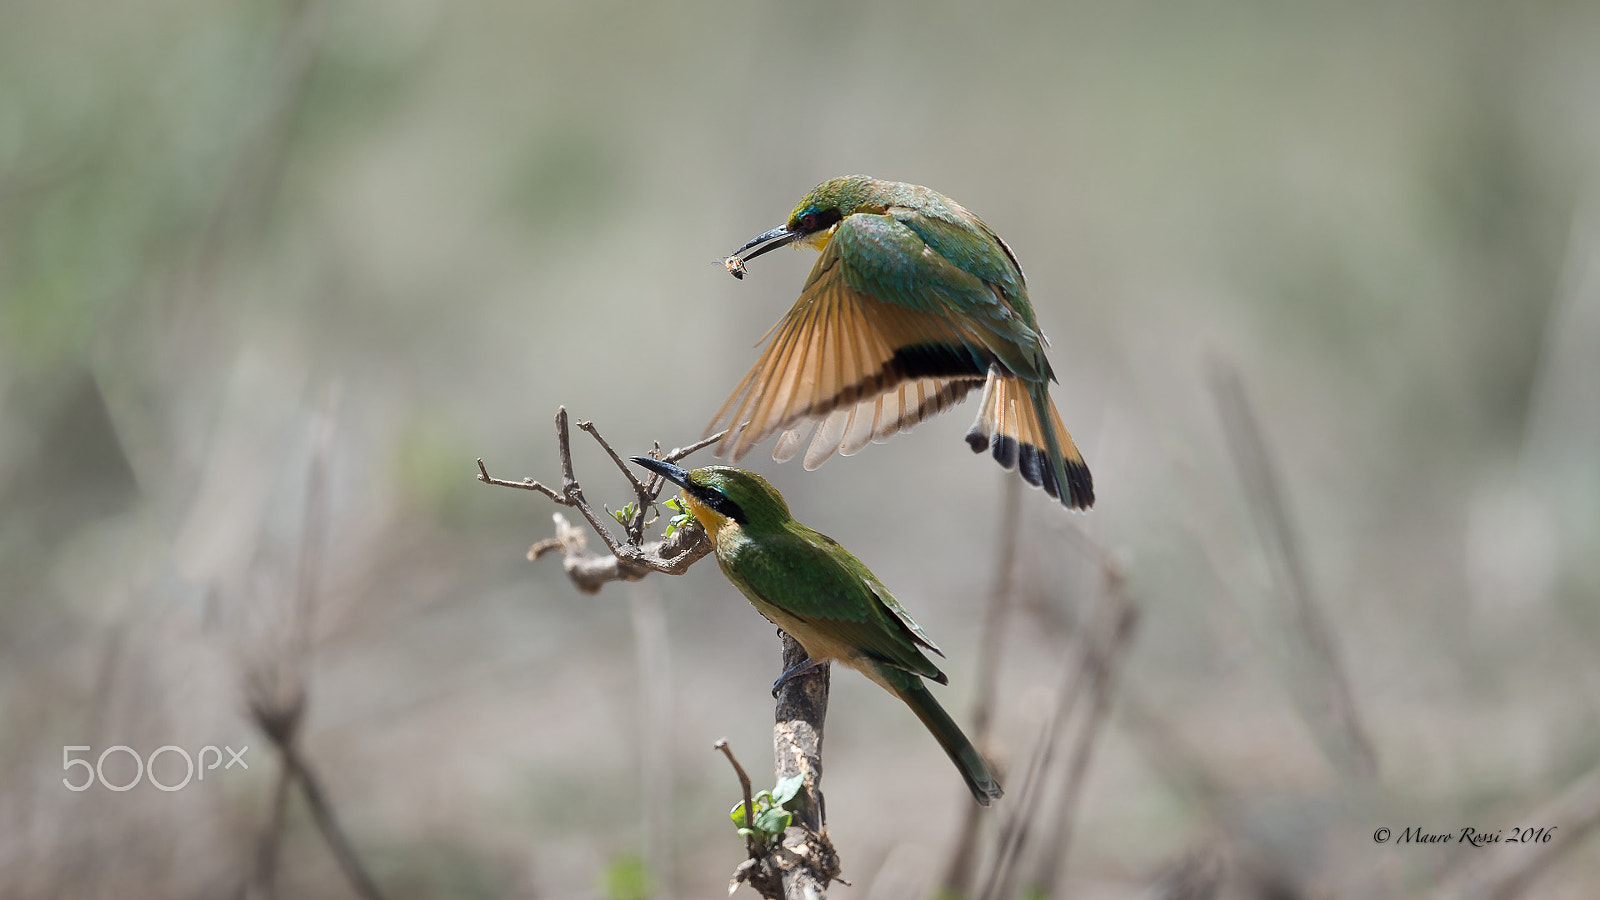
point(441, 220)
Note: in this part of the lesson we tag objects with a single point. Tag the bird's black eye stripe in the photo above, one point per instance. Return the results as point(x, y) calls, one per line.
point(720, 504)
point(813, 222)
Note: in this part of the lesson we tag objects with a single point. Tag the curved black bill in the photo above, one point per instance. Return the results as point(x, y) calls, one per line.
point(780, 236)
point(676, 474)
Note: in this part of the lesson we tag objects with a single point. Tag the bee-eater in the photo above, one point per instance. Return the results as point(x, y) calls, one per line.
point(825, 598)
point(913, 303)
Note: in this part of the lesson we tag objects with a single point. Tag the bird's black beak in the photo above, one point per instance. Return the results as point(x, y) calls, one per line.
point(778, 237)
point(676, 474)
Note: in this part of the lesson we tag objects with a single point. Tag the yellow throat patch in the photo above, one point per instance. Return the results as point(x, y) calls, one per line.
point(709, 518)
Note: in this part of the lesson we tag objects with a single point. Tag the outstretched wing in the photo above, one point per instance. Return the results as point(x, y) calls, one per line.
point(886, 333)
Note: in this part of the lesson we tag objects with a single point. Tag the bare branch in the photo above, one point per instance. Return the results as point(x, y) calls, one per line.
point(622, 466)
point(744, 786)
point(645, 498)
point(628, 561)
point(527, 484)
point(680, 453)
point(590, 572)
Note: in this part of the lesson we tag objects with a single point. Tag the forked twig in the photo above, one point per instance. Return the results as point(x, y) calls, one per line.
point(630, 558)
point(645, 497)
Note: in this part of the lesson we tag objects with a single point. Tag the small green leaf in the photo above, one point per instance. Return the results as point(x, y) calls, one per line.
point(624, 514)
point(774, 820)
point(678, 521)
point(787, 788)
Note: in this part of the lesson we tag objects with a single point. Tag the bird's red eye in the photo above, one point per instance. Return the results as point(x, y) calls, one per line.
point(808, 222)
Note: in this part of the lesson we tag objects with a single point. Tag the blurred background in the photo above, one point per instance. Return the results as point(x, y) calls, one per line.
point(273, 273)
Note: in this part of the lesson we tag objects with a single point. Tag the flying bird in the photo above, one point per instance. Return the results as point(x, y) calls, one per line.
point(913, 303)
point(807, 584)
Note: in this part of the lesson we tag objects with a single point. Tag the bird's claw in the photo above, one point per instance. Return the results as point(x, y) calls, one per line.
point(802, 668)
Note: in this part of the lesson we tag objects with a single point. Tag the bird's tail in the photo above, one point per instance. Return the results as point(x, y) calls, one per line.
point(1022, 426)
point(908, 687)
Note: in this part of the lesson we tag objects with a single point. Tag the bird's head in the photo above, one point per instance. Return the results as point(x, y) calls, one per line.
point(813, 220)
point(718, 495)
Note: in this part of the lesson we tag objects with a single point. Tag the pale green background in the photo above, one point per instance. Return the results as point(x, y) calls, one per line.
point(458, 215)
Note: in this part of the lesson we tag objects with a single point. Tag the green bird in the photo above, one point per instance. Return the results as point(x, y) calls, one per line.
point(825, 598)
point(913, 303)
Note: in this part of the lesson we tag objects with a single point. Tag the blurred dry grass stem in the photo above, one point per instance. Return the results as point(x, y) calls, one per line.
point(1335, 718)
point(653, 653)
point(1507, 875)
point(1102, 644)
point(276, 689)
point(963, 867)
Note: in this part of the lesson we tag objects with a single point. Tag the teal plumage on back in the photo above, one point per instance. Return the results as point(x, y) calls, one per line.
point(823, 596)
point(913, 303)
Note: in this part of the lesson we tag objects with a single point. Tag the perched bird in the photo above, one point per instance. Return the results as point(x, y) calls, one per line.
point(913, 303)
point(824, 597)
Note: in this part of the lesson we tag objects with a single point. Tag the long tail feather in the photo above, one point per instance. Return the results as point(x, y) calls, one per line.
point(1019, 424)
point(985, 789)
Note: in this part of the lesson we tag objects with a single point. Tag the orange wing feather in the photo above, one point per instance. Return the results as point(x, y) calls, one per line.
point(832, 359)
